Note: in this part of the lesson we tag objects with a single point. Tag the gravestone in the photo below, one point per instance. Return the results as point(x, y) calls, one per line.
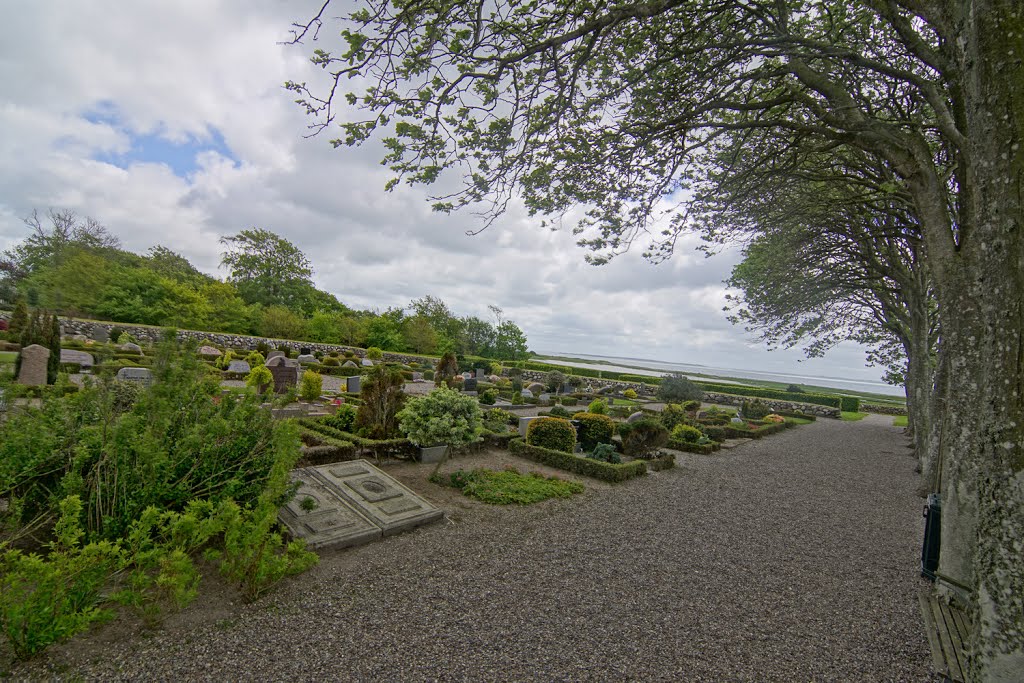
point(638, 415)
point(79, 338)
point(469, 384)
point(129, 347)
point(275, 354)
point(417, 377)
point(306, 358)
point(350, 503)
point(208, 352)
point(524, 423)
point(353, 385)
point(467, 375)
point(544, 397)
point(526, 393)
point(141, 376)
point(84, 360)
point(239, 366)
point(481, 373)
point(33, 365)
point(349, 364)
point(366, 362)
point(536, 387)
point(285, 373)
point(100, 333)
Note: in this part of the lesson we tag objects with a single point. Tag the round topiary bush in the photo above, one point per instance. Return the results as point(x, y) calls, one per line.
point(643, 438)
point(373, 353)
point(552, 432)
point(442, 417)
point(598, 407)
point(331, 362)
point(686, 434)
point(754, 410)
point(676, 388)
point(594, 429)
point(629, 393)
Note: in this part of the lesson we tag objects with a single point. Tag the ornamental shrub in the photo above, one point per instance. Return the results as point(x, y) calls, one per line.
point(552, 432)
point(559, 411)
point(488, 397)
point(686, 434)
point(691, 407)
point(498, 420)
point(598, 407)
point(311, 385)
point(676, 388)
point(643, 438)
point(342, 420)
point(255, 358)
point(629, 393)
point(673, 415)
point(374, 353)
point(594, 429)
point(383, 396)
point(444, 416)
point(754, 410)
point(331, 362)
point(605, 452)
point(259, 376)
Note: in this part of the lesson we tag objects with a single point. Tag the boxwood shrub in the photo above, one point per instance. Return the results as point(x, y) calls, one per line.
point(594, 429)
point(578, 464)
point(552, 432)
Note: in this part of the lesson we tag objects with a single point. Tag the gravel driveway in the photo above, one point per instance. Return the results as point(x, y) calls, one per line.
point(793, 558)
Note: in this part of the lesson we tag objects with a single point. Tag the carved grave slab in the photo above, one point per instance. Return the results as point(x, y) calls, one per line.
point(331, 523)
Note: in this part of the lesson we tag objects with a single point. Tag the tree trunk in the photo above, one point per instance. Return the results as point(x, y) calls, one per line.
point(980, 287)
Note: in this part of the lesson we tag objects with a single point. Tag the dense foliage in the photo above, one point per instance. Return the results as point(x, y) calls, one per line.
point(553, 433)
point(511, 487)
point(442, 417)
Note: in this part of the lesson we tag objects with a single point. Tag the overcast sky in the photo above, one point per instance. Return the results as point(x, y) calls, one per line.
point(168, 123)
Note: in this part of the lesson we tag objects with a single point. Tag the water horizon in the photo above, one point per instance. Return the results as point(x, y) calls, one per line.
point(654, 368)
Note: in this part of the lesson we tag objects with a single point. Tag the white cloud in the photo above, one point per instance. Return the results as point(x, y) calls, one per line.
point(82, 80)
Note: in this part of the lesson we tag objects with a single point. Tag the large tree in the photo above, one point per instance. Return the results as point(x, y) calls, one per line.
point(619, 107)
point(267, 269)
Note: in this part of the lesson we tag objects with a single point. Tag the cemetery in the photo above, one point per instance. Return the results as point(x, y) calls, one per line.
point(274, 457)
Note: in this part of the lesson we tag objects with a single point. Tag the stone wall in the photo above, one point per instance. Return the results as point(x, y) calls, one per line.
point(773, 404)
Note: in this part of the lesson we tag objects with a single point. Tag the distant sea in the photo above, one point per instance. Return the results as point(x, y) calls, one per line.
point(656, 368)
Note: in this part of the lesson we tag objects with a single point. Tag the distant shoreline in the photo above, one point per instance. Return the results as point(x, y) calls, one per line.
point(872, 391)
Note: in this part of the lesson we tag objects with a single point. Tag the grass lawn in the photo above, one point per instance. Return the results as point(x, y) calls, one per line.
point(8, 356)
point(798, 420)
point(852, 417)
point(899, 421)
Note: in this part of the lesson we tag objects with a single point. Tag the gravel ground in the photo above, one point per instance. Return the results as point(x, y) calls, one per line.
point(793, 558)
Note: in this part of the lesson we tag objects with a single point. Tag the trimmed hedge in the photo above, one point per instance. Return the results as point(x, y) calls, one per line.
point(395, 448)
point(578, 464)
point(553, 433)
point(702, 448)
point(732, 432)
point(666, 461)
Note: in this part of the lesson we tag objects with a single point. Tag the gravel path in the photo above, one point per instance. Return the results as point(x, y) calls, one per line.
point(793, 558)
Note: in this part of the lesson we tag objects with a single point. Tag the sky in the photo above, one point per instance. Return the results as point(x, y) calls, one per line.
point(168, 123)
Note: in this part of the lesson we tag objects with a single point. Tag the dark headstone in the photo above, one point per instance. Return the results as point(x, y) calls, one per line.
point(285, 373)
point(469, 384)
point(353, 385)
point(100, 333)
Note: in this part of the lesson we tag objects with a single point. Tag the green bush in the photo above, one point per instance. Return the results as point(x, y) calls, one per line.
point(558, 411)
point(343, 419)
point(754, 410)
point(598, 407)
point(687, 434)
point(569, 400)
point(629, 393)
point(643, 438)
point(383, 396)
point(444, 416)
point(691, 406)
point(489, 397)
point(795, 389)
point(676, 388)
point(311, 385)
point(605, 452)
point(331, 362)
point(594, 429)
point(849, 403)
point(259, 376)
point(374, 353)
point(553, 433)
point(673, 415)
point(579, 465)
point(714, 432)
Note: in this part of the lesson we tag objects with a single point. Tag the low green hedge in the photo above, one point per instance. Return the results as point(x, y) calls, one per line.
point(664, 462)
point(689, 447)
point(802, 416)
point(578, 464)
point(733, 432)
point(377, 448)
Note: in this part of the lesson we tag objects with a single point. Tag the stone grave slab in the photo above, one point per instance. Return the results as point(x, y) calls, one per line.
point(306, 358)
point(524, 423)
point(239, 366)
point(481, 373)
point(84, 360)
point(469, 384)
point(353, 385)
point(331, 521)
point(275, 354)
point(207, 351)
point(366, 362)
point(379, 497)
point(142, 376)
point(99, 333)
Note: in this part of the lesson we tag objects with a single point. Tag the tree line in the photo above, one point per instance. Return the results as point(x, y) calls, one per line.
point(76, 267)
